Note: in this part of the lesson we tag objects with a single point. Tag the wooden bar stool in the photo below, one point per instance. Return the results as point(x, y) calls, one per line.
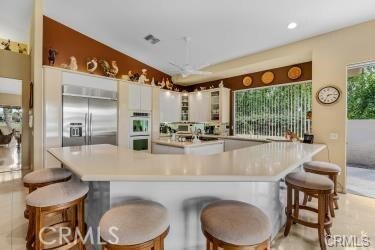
point(41, 178)
point(57, 198)
point(44, 177)
point(310, 184)
point(328, 169)
point(235, 225)
point(138, 225)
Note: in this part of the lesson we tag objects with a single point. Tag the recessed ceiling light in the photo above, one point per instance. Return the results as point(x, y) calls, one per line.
point(292, 25)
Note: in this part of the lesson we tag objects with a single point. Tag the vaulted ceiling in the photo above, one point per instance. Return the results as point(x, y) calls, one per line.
point(15, 19)
point(220, 30)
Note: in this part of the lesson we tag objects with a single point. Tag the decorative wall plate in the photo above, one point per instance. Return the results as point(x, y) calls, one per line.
point(294, 72)
point(247, 81)
point(267, 77)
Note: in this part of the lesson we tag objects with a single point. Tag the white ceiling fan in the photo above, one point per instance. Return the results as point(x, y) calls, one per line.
point(187, 69)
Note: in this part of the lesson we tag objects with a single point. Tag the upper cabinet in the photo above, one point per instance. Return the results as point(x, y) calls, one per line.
point(140, 97)
point(210, 105)
point(170, 106)
point(199, 106)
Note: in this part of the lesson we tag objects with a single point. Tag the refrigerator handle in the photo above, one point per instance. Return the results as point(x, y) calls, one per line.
point(86, 130)
point(90, 128)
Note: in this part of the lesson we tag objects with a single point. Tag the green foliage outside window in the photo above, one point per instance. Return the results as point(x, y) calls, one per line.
point(270, 111)
point(361, 95)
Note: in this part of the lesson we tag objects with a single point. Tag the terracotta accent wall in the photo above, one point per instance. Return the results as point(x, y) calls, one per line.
point(235, 83)
point(69, 42)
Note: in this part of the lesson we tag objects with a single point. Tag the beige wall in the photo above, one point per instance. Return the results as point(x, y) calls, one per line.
point(10, 99)
point(17, 66)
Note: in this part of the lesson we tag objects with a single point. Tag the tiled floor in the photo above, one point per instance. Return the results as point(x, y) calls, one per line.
point(355, 216)
point(10, 157)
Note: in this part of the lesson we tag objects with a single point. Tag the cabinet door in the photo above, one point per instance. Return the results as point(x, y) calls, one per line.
point(199, 106)
point(169, 106)
point(134, 97)
point(146, 98)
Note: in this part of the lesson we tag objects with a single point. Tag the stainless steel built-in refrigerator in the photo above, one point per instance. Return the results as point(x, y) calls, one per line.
point(89, 116)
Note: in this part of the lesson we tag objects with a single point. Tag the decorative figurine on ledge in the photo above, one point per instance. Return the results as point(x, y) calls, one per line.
point(21, 50)
point(133, 77)
point(169, 85)
point(162, 83)
point(6, 45)
point(143, 78)
point(153, 82)
point(52, 53)
point(108, 70)
point(72, 64)
point(91, 65)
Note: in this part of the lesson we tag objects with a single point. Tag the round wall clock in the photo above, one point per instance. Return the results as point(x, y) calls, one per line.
point(294, 72)
point(267, 77)
point(247, 81)
point(328, 95)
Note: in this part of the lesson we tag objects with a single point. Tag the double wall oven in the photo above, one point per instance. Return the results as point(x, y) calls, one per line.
point(140, 131)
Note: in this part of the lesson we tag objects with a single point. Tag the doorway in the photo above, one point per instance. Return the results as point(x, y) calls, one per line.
point(10, 124)
point(361, 130)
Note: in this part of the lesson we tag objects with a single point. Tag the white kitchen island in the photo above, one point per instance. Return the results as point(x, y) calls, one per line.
point(186, 183)
point(200, 147)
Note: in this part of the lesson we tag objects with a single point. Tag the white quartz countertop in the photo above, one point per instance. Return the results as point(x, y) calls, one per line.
point(266, 162)
point(185, 144)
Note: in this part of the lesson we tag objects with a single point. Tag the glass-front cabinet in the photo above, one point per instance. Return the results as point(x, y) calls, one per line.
point(185, 107)
point(215, 105)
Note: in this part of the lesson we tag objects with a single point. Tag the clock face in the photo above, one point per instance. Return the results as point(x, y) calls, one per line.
point(328, 95)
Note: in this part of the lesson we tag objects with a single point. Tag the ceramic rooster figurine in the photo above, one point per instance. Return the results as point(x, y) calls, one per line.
point(108, 70)
point(91, 65)
point(72, 64)
point(6, 45)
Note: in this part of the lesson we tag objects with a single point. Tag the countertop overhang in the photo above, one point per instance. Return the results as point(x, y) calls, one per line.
point(267, 162)
point(185, 144)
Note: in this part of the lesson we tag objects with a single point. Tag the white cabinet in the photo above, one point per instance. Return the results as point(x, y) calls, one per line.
point(170, 106)
point(199, 106)
point(146, 98)
point(140, 97)
point(210, 105)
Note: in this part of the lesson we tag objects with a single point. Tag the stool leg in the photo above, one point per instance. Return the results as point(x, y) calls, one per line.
point(305, 197)
point(321, 219)
point(38, 228)
point(335, 191)
point(208, 245)
point(331, 205)
point(328, 207)
point(296, 204)
point(215, 246)
point(81, 220)
point(30, 229)
point(288, 211)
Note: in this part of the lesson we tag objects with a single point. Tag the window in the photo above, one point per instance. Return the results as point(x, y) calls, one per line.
point(270, 111)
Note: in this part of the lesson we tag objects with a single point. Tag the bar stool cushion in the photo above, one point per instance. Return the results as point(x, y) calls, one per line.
point(59, 193)
point(322, 166)
point(137, 221)
point(46, 175)
point(236, 223)
point(309, 181)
